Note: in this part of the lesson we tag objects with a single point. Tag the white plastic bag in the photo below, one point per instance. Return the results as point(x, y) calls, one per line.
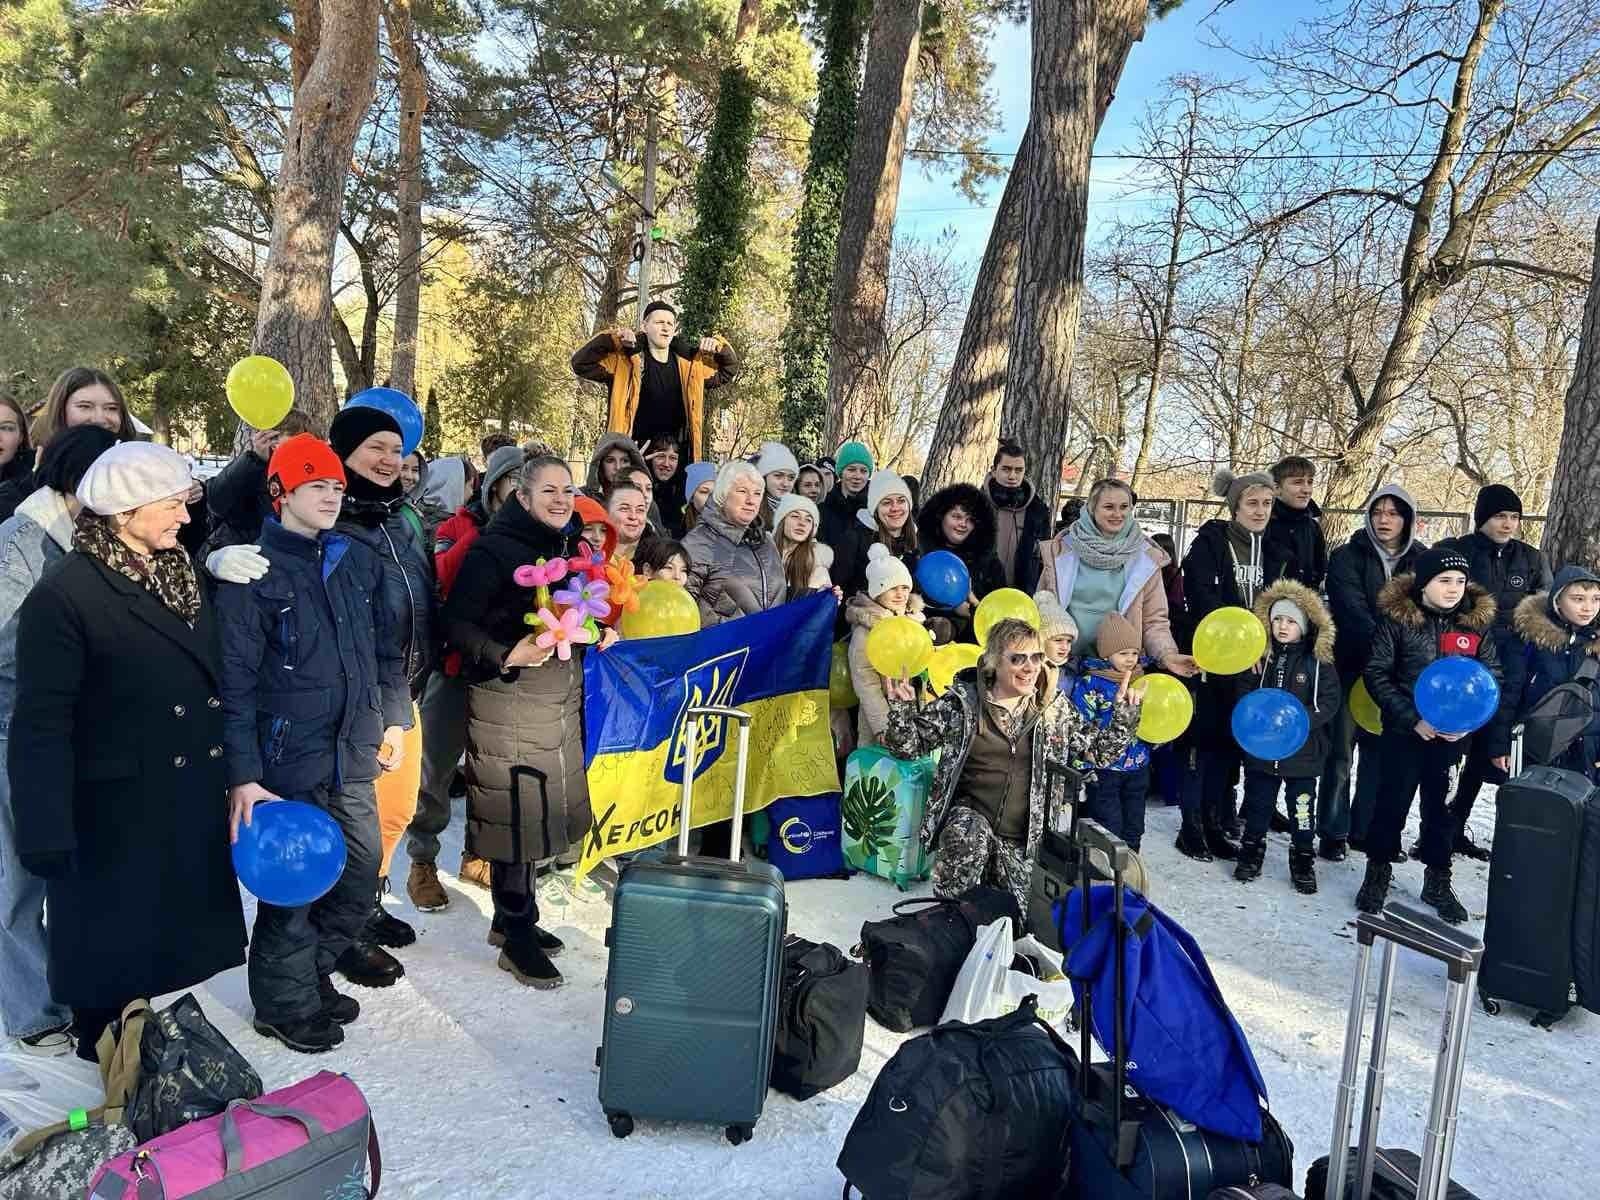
point(987, 986)
point(35, 1092)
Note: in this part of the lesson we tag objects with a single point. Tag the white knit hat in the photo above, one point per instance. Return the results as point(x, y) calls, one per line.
point(131, 474)
point(795, 502)
point(1054, 620)
point(884, 571)
point(885, 483)
point(775, 456)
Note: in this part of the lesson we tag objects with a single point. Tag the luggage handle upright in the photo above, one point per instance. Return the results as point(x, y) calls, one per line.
point(1399, 926)
point(691, 725)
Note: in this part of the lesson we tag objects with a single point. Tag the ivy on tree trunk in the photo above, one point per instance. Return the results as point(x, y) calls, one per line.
point(724, 200)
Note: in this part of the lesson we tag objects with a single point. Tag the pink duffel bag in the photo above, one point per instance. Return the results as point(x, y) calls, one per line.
point(313, 1139)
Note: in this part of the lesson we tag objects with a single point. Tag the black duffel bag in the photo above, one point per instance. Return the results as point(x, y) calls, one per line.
point(915, 955)
point(822, 1018)
point(967, 1110)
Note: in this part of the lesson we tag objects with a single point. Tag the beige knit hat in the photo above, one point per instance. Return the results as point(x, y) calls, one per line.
point(1116, 633)
point(1054, 620)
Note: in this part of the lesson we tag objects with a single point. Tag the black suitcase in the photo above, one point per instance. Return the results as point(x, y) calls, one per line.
point(1586, 910)
point(1533, 879)
point(1127, 1148)
point(1367, 1172)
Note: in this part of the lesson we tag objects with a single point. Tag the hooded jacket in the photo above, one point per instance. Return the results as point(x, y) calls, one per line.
point(1546, 652)
point(1510, 572)
point(1356, 574)
point(35, 537)
point(862, 615)
point(839, 515)
point(1144, 600)
point(1409, 637)
point(1298, 538)
point(594, 482)
point(977, 552)
point(604, 359)
point(733, 572)
point(1030, 520)
point(392, 532)
point(851, 552)
point(1210, 578)
point(1305, 669)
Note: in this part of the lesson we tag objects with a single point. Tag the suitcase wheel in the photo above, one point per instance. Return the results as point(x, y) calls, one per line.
point(1545, 1020)
point(739, 1134)
point(1490, 1005)
point(621, 1124)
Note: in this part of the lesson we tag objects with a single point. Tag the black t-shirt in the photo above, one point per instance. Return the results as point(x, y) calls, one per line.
point(660, 400)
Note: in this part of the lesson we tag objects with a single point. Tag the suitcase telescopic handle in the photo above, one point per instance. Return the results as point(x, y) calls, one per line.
point(1423, 933)
point(1093, 835)
point(691, 725)
point(1119, 856)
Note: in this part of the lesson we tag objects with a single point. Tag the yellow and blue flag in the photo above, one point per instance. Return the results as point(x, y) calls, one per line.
point(773, 665)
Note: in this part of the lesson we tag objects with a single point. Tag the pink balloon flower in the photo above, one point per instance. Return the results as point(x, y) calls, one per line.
point(540, 574)
point(562, 633)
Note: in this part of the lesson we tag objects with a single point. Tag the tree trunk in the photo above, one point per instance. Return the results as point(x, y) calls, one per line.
point(1572, 534)
point(408, 194)
point(858, 359)
point(964, 438)
point(816, 236)
point(1055, 212)
point(329, 106)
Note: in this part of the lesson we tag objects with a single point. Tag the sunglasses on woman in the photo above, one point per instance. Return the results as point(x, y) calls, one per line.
point(1026, 660)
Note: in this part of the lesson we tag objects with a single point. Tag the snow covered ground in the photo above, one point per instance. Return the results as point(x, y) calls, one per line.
point(482, 1088)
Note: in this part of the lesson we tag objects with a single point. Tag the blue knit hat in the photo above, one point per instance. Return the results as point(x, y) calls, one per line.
point(852, 454)
point(695, 474)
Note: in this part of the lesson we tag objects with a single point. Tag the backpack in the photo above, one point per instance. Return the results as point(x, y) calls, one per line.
point(822, 1018)
point(967, 1110)
point(188, 1071)
point(915, 955)
point(1562, 716)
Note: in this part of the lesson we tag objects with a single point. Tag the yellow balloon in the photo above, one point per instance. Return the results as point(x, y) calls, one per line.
point(1365, 709)
point(948, 661)
point(665, 610)
point(1228, 641)
point(998, 605)
point(1167, 710)
point(898, 647)
point(841, 689)
point(260, 391)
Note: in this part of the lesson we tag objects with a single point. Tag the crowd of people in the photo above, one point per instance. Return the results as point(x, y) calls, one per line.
point(334, 620)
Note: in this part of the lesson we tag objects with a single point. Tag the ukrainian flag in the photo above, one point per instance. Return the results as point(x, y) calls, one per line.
point(772, 665)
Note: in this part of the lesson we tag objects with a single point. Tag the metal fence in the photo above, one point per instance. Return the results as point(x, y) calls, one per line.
point(1181, 518)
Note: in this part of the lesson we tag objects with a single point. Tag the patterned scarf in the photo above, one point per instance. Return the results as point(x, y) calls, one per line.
point(168, 575)
point(1101, 553)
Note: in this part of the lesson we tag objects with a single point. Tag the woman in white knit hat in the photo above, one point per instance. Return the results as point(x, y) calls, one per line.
point(779, 469)
point(806, 561)
point(887, 521)
point(887, 594)
point(119, 786)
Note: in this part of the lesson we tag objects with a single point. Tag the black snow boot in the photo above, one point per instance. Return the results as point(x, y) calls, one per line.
point(366, 965)
point(1467, 848)
point(1334, 849)
point(1220, 844)
point(314, 1035)
point(1192, 842)
point(336, 1006)
point(1303, 870)
point(1436, 891)
point(546, 941)
point(527, 963)
point(383, 929)
point(1252, 854)
point(1375, 887)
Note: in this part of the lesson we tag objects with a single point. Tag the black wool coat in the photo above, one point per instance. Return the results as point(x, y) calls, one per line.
point(117, 767)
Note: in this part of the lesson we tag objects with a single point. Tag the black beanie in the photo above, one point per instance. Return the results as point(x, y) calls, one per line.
point(355, 424)
point(1436, 562)
point(67, 456)
point(1496, 498)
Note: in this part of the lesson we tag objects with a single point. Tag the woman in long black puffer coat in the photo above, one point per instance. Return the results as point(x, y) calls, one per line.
point(527, 795)
point(961, 519)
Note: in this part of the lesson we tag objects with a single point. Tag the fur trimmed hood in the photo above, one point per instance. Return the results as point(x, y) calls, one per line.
point(865, 612)
point(1396, 602)
point(930, 521)
point(1322, 631)
point(1535, 625)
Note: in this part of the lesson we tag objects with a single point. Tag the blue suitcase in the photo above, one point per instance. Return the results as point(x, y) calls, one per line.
point(694, 975)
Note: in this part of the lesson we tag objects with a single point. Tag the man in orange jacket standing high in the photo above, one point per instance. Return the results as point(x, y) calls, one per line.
point(658, 381)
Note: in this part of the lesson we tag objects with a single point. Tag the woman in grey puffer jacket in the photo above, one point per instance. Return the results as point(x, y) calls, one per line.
point(735, 568)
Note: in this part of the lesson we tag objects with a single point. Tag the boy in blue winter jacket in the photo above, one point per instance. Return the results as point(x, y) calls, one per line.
point(314, 702)
point(1116, 796)
point(1557, 642)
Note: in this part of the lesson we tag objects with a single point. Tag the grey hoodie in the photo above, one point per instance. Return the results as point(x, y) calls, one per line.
point(1407, 538)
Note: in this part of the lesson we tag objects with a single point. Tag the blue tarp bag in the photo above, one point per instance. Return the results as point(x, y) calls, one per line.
point(805, 836)
point(1184, 1048)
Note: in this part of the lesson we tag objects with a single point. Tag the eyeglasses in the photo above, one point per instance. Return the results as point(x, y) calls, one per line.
point(1036, 659)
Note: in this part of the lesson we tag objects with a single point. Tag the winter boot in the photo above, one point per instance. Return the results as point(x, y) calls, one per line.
point(1375, 887)
point(1280, 822)
point(366, 965)
point(1334, 849)
point(384, 929)
point(1252, 854)
point(474, 870)
point(314, 1035)
point(548, 942)
point(1303, 870)
point(48, 1043)
point(337, 1007)
point(1467, 848)
point(1192, 842)
point(1436, 891)
point(529, 964)
point(1220, 844)
point(423, 886)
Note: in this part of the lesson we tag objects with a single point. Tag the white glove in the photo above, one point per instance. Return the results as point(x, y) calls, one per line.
point(237, 564)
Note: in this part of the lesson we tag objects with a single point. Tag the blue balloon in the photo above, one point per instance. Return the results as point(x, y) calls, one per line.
point(399, 406)
point(290, 854)
point(1457, 694)
point(943, 578)
point(1270, 724)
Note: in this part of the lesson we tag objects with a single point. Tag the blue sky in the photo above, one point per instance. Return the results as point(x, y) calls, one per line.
point(1176, 45)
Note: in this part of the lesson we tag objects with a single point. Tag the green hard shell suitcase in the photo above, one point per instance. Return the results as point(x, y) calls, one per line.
point(884, 802)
